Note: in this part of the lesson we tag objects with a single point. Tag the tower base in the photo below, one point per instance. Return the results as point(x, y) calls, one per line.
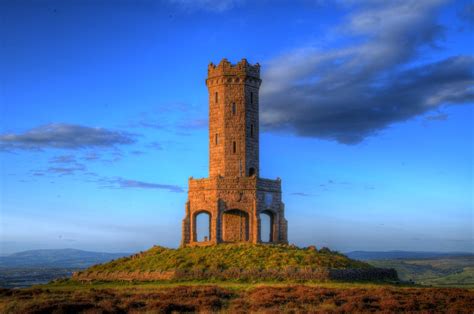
point(234, 206)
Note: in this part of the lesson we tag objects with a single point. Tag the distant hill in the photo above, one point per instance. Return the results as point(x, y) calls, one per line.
point(451, 271)
point(62, 258)
point(380, 255)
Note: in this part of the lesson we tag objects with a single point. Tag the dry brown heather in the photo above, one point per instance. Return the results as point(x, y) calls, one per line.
point(267, 299)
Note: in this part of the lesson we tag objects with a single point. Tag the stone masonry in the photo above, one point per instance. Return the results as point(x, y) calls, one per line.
point(234, 196)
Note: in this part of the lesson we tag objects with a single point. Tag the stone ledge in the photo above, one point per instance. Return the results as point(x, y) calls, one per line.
point(234, 183)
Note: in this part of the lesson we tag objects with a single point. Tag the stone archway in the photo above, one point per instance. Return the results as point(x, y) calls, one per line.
point(202, 226)
point(267, 221)
point(266, 226)
point(235, 226)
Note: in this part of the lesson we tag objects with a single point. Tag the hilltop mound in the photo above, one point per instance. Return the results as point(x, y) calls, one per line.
point(225, 256)
point(235, 262)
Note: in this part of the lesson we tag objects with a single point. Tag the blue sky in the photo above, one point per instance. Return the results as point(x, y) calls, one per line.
point(366, 112)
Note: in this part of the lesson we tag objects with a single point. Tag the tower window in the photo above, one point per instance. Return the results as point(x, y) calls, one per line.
point(217, 139)
point(216, 97)
point(251, 98)
point(234, 147)
point(251, 130)
point(233, 108)
point(251, 172)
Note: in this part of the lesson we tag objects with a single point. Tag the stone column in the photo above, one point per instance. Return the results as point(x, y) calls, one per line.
point(185, 233)
point(216, 226)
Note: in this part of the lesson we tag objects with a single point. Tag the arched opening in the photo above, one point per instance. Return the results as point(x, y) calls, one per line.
point(235, 226)
point(202, 225)
point(266, 226)
point(251, 171)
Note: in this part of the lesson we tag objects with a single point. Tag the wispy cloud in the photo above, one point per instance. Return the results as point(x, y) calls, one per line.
point(61, 165)
point(437, 117)
point(172, 117)
point(63, 159)
point(122, 183)
point(66, 170)
point(301, 194)
point(352, 92)
point(155, 145)
point(91, 156)
point(467, 13)
point(207, 5)
point(149, 124)
point(65, 136)
point(194, 124)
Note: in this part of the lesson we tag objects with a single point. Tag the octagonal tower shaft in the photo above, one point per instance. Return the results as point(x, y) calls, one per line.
point(233, 119)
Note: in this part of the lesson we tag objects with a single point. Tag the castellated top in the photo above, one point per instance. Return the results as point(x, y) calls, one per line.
point(234, 196)
point(243, 68)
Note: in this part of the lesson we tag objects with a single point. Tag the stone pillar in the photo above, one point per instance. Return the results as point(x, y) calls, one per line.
point(276, 227)
point(185, 233)
point(283, 226)
point(215, 225)
point(255, 231)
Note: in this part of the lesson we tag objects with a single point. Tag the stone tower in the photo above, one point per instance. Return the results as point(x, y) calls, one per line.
point(234, 196)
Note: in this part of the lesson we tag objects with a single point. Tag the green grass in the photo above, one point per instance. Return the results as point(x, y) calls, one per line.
point(228, 256)
point(443, 272)
point(464, 278)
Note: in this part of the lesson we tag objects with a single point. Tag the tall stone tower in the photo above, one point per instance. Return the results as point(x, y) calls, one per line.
point(234, 197)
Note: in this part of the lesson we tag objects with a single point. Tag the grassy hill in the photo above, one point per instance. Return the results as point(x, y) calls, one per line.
point(226, 256)
point(389, 255)
point(445, 271)
point(109, 295)
point(234, 261)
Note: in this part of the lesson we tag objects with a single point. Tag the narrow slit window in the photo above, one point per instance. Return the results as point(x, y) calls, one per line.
point(251, 98)
point(251, 130)
point(234, 109)
point(216, 97)
point(234, 147)
point(217, 139)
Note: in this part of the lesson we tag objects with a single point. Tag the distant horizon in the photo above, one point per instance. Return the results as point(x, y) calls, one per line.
point(344, 252)
point(365, 114)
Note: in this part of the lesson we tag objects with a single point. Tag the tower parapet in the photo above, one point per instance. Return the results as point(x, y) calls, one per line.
point(222, 72)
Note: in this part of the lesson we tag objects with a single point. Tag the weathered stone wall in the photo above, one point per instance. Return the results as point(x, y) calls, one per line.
point(234, 195)
point(235, 226)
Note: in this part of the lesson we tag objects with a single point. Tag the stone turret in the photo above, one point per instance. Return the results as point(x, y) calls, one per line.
point(233, 119)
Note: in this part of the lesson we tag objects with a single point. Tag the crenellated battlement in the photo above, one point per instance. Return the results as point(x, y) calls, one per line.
point(225, 68)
